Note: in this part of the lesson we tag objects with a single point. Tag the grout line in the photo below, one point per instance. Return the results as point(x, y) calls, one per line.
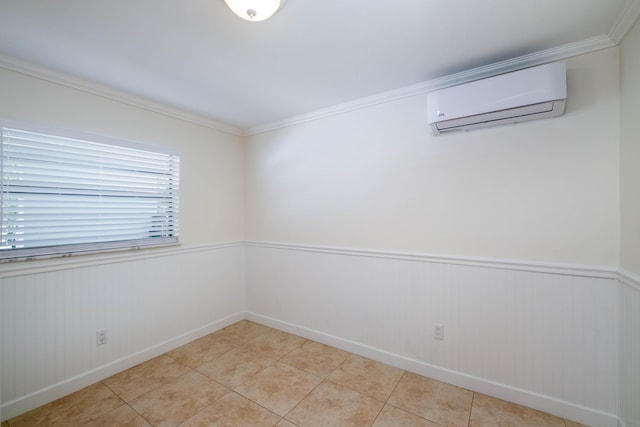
point(379, 412)
point(473, 398)
point(253, 401)
point(404, 373)
point(305, 396)
point(396, 386)
point(275, 360)
point(327, 380)
point(141, 416)
point(197, 412)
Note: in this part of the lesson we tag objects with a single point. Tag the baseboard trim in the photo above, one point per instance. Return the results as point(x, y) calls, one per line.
point(26, 403)
point(541, 402)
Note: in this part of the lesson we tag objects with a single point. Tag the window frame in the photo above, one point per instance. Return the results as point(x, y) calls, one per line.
point(61, 250)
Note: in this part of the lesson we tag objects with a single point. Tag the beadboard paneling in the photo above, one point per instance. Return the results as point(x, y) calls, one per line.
point(630, 349)
point(148, 305)
point(541, 339)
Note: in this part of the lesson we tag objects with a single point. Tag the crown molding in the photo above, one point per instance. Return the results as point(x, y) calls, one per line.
point(625, 21)
point(33, 70)
point(537, 58)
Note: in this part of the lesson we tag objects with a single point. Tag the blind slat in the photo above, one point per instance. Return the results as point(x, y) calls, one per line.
point(65, 195)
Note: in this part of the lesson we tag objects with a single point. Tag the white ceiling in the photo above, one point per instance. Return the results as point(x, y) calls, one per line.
point(197, 56)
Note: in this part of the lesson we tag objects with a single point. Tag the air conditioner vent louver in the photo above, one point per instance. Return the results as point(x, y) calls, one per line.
point(529, 94)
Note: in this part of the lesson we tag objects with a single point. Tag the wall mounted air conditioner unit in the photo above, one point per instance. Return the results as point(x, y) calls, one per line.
point(529, 94)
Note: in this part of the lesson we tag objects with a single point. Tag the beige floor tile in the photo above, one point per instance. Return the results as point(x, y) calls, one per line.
point(394, 417)
point(233, 410)
point(569, 423)
point(200, 351)
point(274, 343)
point(235, 366)
point(179, 399)
point(367, 376)
point(333, 405)
point(124, 416)
point(144, 377)
point(319, 359)
point(275, 375)
point(436, 401)
point(241, 332)
point(490, 411)
point(75, 409)
point(279, 387)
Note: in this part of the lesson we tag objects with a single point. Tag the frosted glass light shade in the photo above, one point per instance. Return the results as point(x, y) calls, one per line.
point(253, 10)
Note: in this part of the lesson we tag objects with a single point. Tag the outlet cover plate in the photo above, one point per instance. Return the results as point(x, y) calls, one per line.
point(438, 331)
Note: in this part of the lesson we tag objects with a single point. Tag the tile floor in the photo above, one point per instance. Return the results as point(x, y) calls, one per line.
point(251, 375)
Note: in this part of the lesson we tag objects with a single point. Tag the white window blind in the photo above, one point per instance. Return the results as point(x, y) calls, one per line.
point(64, 195)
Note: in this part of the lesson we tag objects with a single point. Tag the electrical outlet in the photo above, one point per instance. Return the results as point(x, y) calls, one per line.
point(101, 337)
point(438, 331)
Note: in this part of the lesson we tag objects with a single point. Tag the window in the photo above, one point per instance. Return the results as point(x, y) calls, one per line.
point(64, 194)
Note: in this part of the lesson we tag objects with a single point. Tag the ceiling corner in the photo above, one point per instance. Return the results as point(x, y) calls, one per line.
point(625, 21)
point(32, 70)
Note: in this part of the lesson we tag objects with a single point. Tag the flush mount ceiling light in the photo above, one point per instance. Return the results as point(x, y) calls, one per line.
point(254, 10)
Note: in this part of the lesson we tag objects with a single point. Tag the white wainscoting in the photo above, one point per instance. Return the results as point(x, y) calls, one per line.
point(629, 349)
point(541, 336)
point(148, 301)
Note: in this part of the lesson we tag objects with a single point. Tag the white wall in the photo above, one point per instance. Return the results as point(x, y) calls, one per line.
point(630, 151)
point(148, 304)
point(630, 228)
point(540, 331)
point(544, 340)
point(212, 168)
point(351, 200)
point(148, 300)
point(375, 178)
